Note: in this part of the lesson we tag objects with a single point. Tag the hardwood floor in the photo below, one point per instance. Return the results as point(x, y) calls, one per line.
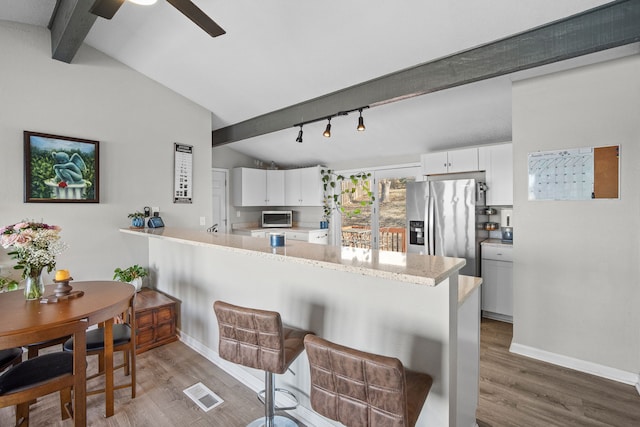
point(514, 391)
point(163, 373)
point(519, 391)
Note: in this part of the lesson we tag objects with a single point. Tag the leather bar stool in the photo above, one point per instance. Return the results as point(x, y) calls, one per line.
point(362, 389)
point(257, 339)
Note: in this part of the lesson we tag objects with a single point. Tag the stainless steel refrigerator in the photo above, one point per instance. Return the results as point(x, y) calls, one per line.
point(442, 218)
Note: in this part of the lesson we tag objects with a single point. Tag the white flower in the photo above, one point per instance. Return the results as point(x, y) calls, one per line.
point(35, 245)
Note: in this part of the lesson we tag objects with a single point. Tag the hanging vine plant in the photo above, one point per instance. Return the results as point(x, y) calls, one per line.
point(333, 192)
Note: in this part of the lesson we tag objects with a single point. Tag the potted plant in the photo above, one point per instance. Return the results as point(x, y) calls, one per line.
point(137, 219)
point(333, 192)
point(133, 275)
point(8, 284)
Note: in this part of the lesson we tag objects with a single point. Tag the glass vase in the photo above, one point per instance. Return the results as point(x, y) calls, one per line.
point(34, 285)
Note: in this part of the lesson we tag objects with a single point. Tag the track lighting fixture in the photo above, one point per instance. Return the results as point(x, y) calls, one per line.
point(360, 122)
point(327, 130)
point(299, 138)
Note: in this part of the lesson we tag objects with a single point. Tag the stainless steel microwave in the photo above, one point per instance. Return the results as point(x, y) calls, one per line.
point(277, 219)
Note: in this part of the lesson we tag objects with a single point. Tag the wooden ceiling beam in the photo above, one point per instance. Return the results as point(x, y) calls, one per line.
point(69, 27)
point(611, 25)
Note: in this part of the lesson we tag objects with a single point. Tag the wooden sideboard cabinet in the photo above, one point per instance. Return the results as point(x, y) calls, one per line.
point(155, 320)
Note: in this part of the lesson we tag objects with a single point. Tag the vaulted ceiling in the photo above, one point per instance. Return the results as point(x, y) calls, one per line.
point(277, 54)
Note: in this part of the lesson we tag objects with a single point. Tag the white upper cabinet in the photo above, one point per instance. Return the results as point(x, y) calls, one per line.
point(497, 161)
point(434, 163)
point(292, 185)
point(275, 188)
point(310, 186)
point(464, 160)
point(258, 187)
point(303, 187)
point(245, 190)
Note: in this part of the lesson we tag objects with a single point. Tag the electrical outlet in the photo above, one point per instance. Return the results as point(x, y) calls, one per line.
point(202, 220)
point(238, 214)
point(154, 210)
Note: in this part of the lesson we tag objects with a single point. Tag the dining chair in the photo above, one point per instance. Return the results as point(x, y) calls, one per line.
point(124, 340)
point(59, 371)
point(10, 357)
point(33, 349)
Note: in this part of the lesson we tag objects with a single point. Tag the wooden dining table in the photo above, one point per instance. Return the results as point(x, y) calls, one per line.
point(101, 302)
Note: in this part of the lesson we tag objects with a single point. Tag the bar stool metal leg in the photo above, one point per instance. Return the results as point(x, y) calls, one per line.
point(270, 419)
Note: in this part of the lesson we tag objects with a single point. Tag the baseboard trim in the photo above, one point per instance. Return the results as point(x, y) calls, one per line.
point(303, 414)
point(578, 365)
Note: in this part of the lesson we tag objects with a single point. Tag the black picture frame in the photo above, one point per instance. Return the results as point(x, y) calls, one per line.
point(60, 169)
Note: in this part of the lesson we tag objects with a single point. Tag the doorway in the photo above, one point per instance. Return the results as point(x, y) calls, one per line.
point(383, 224)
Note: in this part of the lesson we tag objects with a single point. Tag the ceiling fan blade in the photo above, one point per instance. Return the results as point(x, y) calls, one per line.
point(196, 14)
point(106, 8)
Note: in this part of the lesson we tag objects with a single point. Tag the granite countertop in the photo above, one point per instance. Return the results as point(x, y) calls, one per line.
point(466, 285)
point(411, 268)
point(496, 242)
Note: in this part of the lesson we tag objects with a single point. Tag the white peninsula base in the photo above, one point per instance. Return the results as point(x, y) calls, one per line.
point(361, 299)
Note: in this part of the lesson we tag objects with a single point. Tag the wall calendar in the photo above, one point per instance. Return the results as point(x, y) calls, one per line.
point(561, 174)
point(182, 173)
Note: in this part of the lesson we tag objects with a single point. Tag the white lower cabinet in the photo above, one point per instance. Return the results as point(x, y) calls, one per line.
point(251, 233)
point(320, 237)
point(497, 282)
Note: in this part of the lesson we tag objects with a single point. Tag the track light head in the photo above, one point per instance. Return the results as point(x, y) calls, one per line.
point(299, 138)
point(327, 130)
point(360, 122)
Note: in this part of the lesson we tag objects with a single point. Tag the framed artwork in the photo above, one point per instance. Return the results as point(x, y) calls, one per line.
point(60, 169)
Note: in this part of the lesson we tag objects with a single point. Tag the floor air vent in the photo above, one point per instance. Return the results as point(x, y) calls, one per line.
point(203, 397)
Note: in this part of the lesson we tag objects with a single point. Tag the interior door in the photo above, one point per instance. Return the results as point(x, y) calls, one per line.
point(219, 198)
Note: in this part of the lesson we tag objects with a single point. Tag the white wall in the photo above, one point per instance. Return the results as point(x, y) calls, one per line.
point(136, 121)
point(577, 263)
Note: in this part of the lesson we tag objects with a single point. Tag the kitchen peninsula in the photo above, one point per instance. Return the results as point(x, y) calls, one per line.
point(402, 305)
